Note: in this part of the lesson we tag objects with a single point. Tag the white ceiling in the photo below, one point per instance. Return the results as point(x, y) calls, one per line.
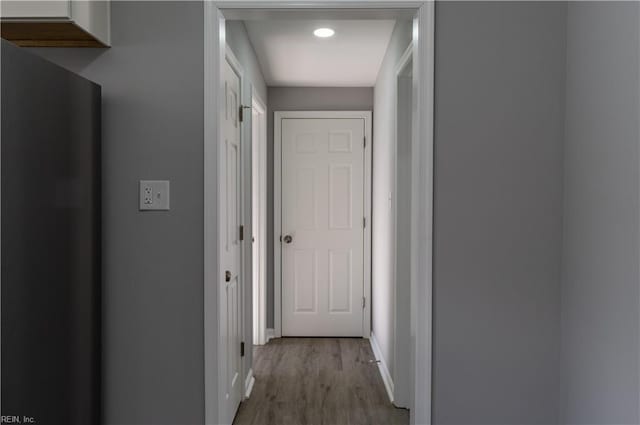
point(290, 55)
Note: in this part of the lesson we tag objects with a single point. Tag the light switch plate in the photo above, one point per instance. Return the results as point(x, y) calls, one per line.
point(154, 195)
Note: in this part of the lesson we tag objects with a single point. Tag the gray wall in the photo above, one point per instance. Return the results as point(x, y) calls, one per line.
point(238, 41)
point(152, 85)
point(500, 87)
point(600, 318)
point(301, 99)
point(499, 129)
point(402, 369)
point(383, 279)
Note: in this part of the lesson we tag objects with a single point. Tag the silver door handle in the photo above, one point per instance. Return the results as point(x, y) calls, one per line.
point(287, 239)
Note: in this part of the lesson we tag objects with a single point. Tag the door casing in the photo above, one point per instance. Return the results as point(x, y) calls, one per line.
point(277, 209)
point(259, 173)
point(402, 371)
point(423, 13)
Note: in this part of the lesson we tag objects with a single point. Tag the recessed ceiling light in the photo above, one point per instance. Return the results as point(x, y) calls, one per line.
point(324, 32)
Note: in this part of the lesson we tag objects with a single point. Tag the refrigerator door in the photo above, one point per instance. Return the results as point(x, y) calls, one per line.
point(50, 224)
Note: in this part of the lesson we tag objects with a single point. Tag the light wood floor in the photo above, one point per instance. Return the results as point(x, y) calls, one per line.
point(328, 381)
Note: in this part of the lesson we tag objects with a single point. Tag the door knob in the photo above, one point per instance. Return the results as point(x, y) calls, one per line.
point(227, 276)
point(287, 239)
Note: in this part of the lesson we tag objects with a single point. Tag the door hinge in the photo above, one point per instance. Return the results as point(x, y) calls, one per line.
point(364, 222)
point(242, 349)
point(241, 233)
point(241, 112)
point(364, 302)
point(365, 141)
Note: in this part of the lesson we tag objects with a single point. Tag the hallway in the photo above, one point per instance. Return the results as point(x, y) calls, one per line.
point(317, 381)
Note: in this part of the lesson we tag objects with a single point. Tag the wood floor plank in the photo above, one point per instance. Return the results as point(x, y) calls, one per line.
point(318, 381)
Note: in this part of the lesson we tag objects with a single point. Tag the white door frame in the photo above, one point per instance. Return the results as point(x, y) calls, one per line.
point(422, 192)
point(259, 168)
point(277, 209)
point(401, 348)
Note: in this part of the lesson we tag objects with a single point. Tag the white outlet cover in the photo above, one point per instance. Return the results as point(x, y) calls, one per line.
point(159, 191)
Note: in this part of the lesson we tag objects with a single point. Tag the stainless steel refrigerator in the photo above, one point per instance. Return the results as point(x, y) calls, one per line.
point(50, 242)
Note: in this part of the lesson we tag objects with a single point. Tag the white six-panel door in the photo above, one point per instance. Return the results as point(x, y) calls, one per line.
point(323, 181)
point(230, 244)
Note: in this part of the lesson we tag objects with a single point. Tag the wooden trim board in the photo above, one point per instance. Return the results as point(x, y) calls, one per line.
point(48, 34)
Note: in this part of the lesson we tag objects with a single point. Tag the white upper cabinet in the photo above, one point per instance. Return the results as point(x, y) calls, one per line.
point(25, 9)
point(56, 23)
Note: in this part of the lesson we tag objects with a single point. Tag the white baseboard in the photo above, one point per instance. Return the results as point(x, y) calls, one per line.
point(248, 383)
point(382, 366)
point(270, 334)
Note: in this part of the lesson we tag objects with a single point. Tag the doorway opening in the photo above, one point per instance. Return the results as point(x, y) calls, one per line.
point(331, 206)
